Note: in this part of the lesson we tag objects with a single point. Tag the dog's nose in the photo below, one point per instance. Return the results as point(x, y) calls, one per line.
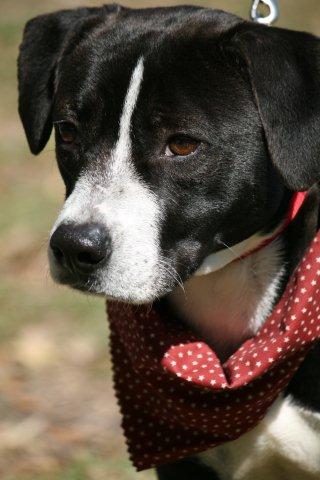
point(81, 247)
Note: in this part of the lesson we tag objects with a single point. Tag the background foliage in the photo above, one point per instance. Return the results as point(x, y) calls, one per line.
point(58, 416)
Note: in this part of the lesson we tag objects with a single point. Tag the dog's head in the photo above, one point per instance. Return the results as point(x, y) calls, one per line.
point(178, 131)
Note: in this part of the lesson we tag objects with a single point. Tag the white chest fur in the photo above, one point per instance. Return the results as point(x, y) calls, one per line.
point(284, 446)
point(231, 304)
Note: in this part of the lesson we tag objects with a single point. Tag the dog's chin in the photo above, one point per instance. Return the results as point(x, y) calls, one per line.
point(115, 291)
point(135, 297)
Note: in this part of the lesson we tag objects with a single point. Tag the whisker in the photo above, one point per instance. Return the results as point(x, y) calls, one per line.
point(231, 250)
point(173, 274)
point(170, 269)
point(237, 257)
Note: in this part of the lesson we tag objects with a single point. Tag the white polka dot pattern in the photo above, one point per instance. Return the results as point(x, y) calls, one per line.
point(175, 396)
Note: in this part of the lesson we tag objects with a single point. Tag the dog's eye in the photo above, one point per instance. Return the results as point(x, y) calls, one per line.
point(181, 145)
point(67, 131)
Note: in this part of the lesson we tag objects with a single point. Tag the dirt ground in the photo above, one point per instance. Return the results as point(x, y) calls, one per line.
point(58, 416)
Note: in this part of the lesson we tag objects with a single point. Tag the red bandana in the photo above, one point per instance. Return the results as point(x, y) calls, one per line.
point(177, 399)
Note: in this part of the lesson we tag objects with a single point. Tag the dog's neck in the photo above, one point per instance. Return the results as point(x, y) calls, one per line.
point(230, 304)
point(228, 301)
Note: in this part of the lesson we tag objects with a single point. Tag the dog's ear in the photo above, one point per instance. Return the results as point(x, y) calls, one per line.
point(43, 41)
point(284, 70)
point(40, 49)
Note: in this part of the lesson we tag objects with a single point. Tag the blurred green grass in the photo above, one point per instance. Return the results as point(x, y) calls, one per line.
point(84, 468)
point(48, 334)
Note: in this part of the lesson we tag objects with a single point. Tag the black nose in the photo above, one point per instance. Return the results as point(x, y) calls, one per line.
point(81, 247)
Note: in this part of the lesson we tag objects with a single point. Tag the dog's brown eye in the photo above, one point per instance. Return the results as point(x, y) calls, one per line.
point(67, 131)
point(181, 145)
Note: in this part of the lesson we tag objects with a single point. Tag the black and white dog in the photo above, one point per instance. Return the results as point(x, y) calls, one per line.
point(181, 132)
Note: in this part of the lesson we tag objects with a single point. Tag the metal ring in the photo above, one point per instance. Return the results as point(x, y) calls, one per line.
point(273, 6)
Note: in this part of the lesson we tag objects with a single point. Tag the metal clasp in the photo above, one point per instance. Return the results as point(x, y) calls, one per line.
point(273, 6)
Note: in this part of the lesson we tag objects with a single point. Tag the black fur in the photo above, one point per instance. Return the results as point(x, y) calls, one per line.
point(249, 93)
point(189, 469)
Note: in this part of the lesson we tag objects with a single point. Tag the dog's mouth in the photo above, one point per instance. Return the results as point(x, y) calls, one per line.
point(116, 291)
point(124, 285)
point(86, 286)
point(86, 283)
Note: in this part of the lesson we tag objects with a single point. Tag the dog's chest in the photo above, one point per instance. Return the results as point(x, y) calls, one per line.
point(285, 445)
point(230, 305)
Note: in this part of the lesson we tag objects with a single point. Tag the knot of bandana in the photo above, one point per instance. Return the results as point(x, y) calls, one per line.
point(175, 396)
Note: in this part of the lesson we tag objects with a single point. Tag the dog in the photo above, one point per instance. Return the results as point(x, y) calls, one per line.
point(183, 132)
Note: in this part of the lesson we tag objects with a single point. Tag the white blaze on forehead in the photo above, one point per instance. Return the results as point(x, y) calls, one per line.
point(122, 149)
point(120, 168)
